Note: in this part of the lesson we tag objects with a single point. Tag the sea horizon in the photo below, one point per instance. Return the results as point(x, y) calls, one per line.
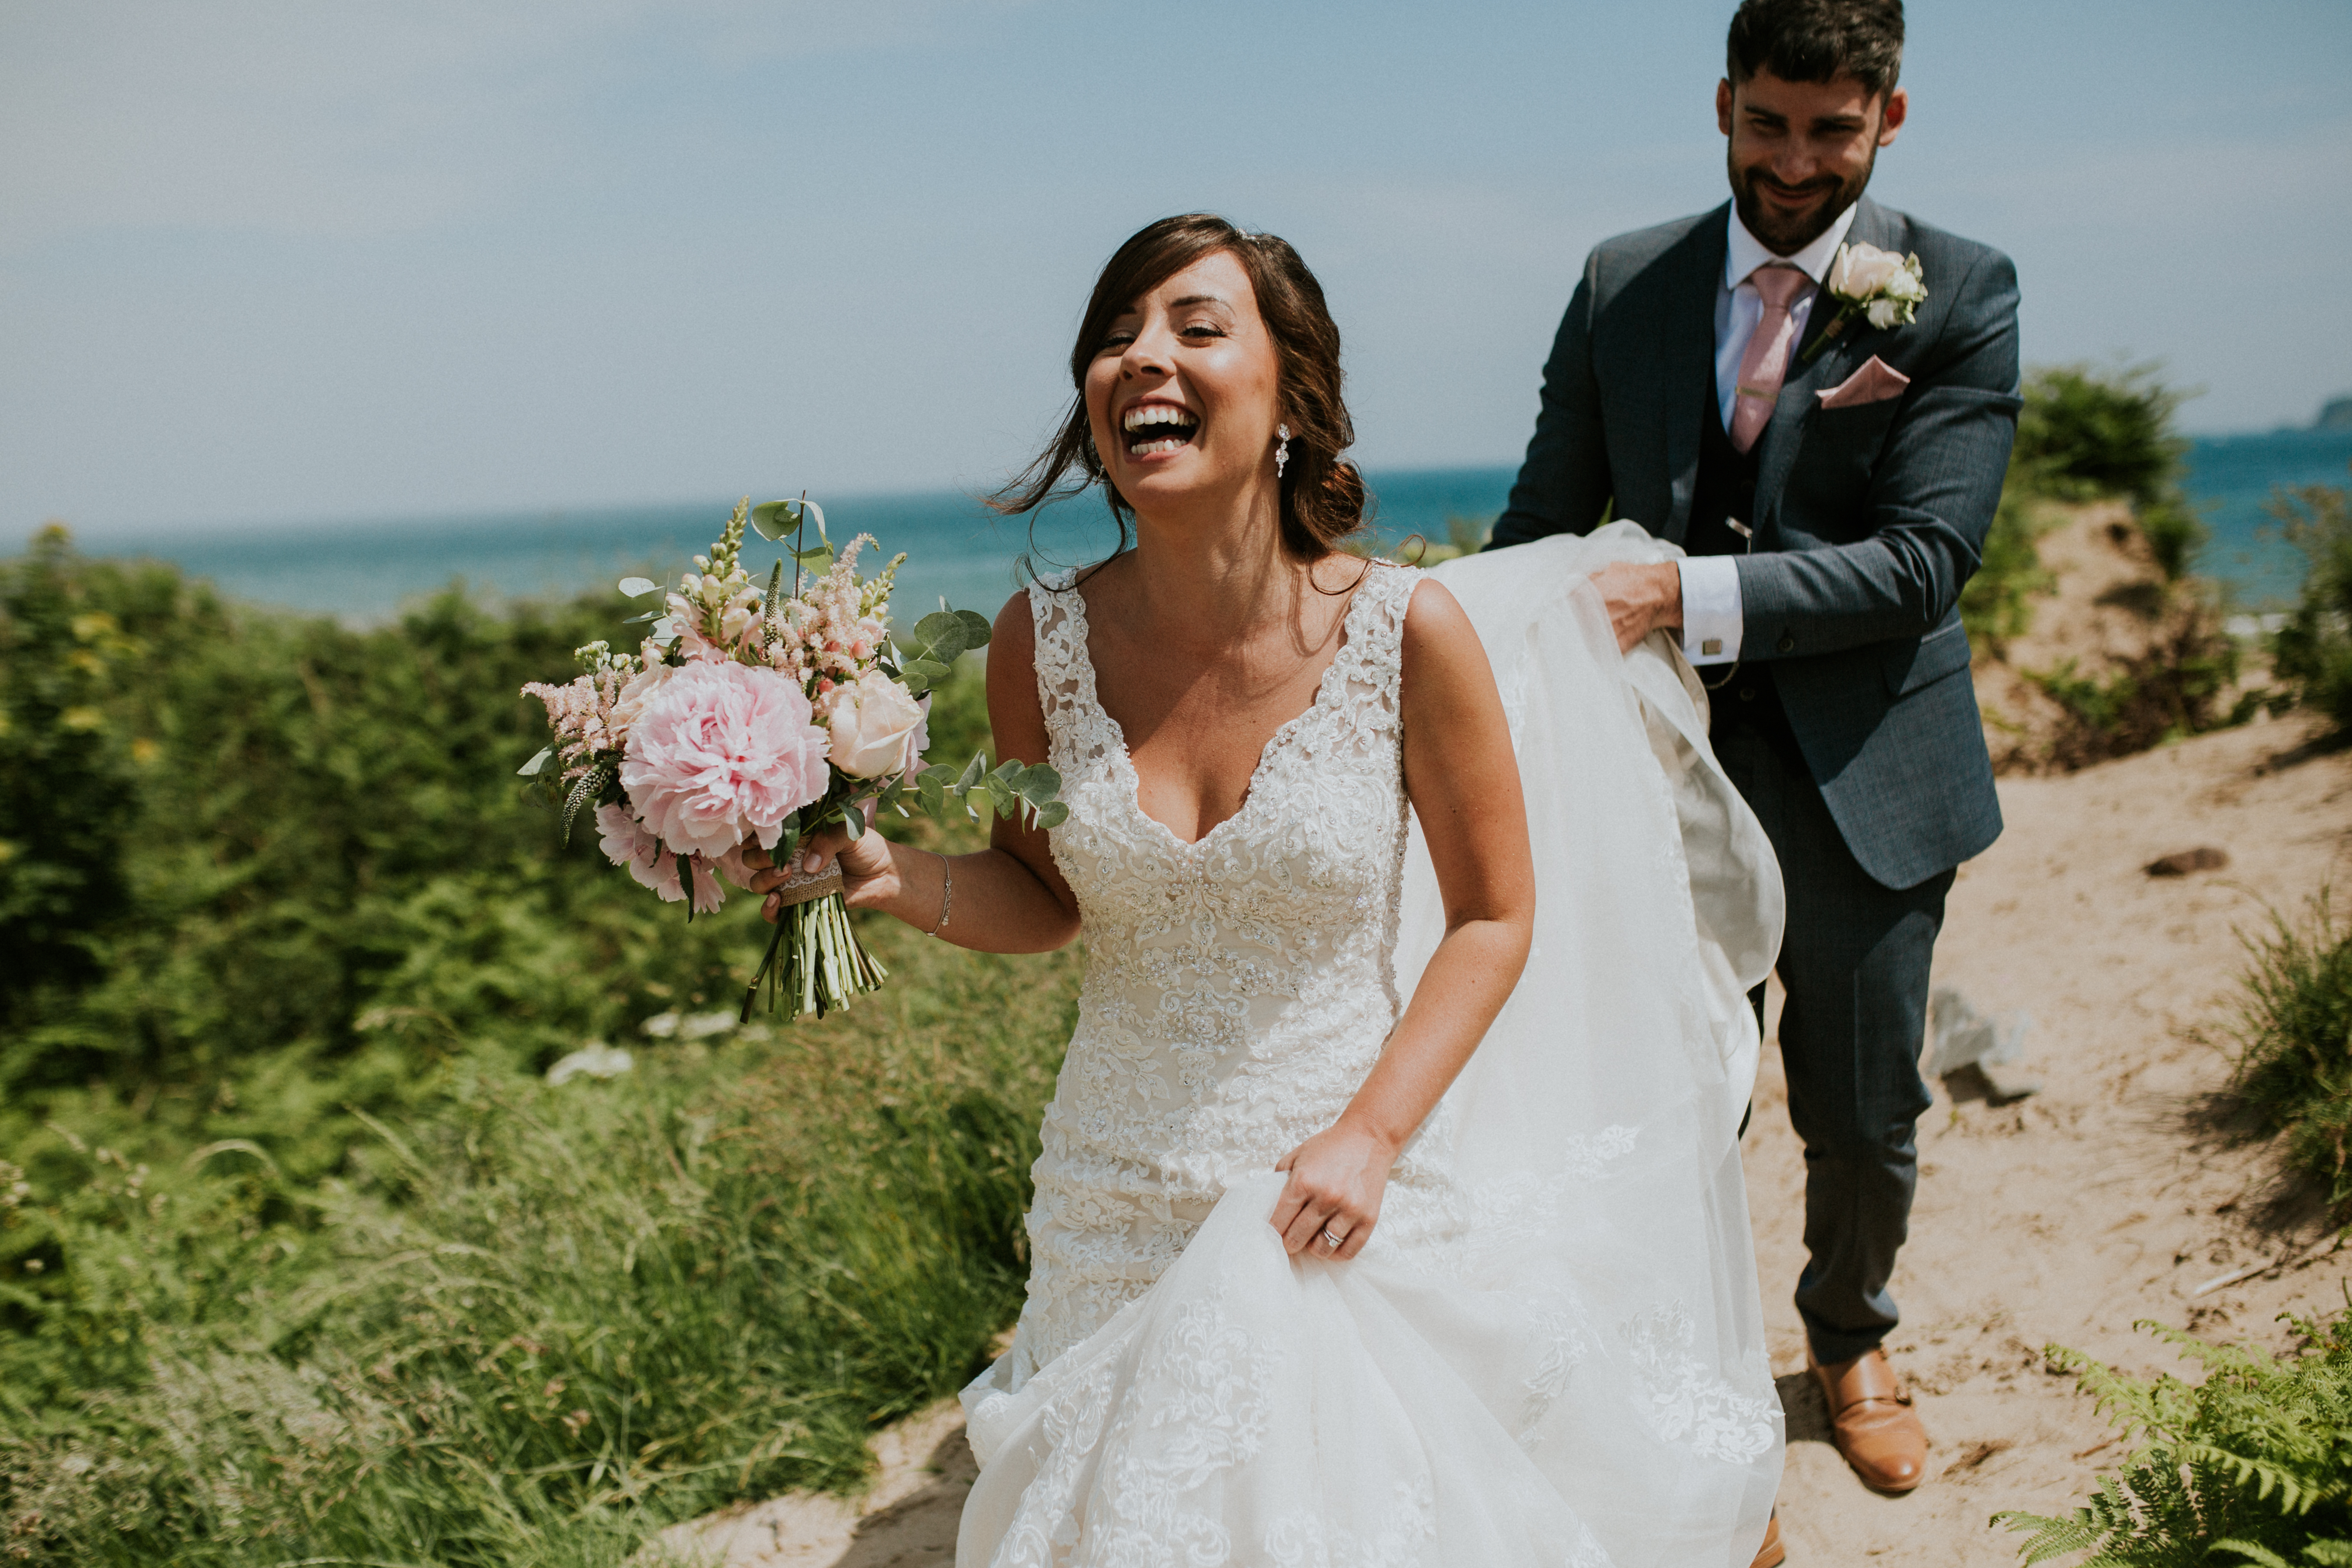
point(364, 570)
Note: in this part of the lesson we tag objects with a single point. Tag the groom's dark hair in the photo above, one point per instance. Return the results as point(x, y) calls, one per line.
point(1814, 40)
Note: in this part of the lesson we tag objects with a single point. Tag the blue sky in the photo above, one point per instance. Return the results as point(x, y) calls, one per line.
point(303, 260)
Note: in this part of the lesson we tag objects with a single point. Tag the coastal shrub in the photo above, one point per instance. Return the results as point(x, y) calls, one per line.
point(2173, 688)
point(332, 886)
point(2089, 431)
point(2312, 653)
point(2292, 1032)
point(65, 785)
point(2252, 1465)
point(1997, 602)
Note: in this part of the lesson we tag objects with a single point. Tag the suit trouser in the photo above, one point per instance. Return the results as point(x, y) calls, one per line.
point(1854, 965)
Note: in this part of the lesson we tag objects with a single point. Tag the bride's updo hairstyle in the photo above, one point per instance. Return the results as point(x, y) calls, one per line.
point(1322, 494)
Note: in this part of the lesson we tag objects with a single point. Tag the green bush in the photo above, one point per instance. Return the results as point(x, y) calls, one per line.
point(2294, 1039)
point(2086, 433)
point(2251, 1466)
point(2171, 690)
point(2312, 653)
point(333, 885)
point(1997, 602)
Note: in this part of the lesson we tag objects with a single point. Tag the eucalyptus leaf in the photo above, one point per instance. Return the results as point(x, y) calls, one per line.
point(915, 684)
point(637, 587)
point(531, 769)
point(1052, 815)
point(854, 820)
point(976, 630)
point(773, 519)
point(930, 669)
point(972, 770)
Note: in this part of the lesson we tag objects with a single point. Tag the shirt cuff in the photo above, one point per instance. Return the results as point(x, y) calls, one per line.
point(1711, 611)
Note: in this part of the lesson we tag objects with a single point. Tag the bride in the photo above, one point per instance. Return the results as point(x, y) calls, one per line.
point(1389, 1210)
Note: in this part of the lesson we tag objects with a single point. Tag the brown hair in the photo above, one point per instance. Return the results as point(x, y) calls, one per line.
point(1322, 494)
point(1813, 40)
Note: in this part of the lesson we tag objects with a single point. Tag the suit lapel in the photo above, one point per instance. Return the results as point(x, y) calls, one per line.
point(1798, 398)
point(1686, 374)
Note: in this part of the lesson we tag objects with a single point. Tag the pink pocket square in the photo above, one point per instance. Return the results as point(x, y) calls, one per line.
point(1876, 382)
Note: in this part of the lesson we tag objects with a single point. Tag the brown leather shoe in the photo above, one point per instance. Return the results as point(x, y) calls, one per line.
point(1870, 1414)
point(1772, 1554)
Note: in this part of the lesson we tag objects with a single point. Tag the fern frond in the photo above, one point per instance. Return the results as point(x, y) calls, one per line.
point(2052, 1537)
point(2260, 1556)
point(2297, 1494)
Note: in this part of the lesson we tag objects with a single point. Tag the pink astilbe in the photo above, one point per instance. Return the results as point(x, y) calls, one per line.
point(724, 751)
point(580, 711)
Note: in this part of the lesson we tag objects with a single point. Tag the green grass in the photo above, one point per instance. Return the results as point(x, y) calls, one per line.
point(2312, 653)
point(2252, 1465)
point(301, 1258)
point(2292, 1033)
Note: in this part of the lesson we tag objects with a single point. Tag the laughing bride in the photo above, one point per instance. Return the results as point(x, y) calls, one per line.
point(1389, 1210)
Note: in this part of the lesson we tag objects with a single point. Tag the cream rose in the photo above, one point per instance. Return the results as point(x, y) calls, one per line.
point(1861, 270)
point(877, 727)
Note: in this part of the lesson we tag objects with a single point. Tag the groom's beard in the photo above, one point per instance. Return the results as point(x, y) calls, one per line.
point(1786, 237)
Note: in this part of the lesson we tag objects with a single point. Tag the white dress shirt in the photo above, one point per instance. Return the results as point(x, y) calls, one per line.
point(1711, 606)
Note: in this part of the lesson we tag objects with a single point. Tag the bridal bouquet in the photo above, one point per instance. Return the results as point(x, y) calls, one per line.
point(759, 716)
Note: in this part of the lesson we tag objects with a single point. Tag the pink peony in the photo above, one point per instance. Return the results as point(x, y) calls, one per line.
point(625, 842)
point(722, 752)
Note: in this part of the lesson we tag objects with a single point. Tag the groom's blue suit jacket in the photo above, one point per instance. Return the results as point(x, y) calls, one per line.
point(1868, 519)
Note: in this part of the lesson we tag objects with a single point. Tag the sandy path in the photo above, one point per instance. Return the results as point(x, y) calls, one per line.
point(2101, 1201)
point(2063, 1217)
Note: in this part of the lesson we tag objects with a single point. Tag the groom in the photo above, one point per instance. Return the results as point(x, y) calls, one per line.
point(1831, 471)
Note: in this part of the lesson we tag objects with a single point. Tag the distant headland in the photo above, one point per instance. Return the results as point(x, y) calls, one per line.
point(2335, 414)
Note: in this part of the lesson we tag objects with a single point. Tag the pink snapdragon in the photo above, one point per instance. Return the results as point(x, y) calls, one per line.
point(724, 752)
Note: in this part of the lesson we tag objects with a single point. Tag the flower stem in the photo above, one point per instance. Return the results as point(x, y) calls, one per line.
point(814, 959)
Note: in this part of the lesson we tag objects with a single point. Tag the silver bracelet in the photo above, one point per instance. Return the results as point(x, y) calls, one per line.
point(947, 894)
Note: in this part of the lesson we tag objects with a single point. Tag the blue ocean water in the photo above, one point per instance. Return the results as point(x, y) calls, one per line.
point(960, 550)
point(957, 548)
point(2233, 479)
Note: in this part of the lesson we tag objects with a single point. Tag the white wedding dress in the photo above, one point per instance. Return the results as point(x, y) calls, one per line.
point(1550, 1352)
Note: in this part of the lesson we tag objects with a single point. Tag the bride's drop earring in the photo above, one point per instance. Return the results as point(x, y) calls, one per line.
point(1282, 449)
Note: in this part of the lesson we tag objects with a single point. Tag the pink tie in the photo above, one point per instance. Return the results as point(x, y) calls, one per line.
point(1766, 362)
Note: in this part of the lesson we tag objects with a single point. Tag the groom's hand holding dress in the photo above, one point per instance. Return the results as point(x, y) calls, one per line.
point(1832, 473)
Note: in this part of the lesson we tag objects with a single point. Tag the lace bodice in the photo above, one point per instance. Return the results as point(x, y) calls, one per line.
point(1238, 989)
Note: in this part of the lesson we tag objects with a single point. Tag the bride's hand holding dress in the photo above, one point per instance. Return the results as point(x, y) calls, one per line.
point(1463, 784)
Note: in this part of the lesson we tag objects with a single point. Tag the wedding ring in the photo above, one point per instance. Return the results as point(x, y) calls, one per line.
point(1332, 1240)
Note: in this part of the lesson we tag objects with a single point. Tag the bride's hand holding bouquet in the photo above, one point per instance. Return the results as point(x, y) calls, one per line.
point(752, 722)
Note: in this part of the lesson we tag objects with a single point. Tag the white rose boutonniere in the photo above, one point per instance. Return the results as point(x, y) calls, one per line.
point(1881, 287)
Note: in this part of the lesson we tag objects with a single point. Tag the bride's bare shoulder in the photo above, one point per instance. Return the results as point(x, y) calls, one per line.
point(1441, 651)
